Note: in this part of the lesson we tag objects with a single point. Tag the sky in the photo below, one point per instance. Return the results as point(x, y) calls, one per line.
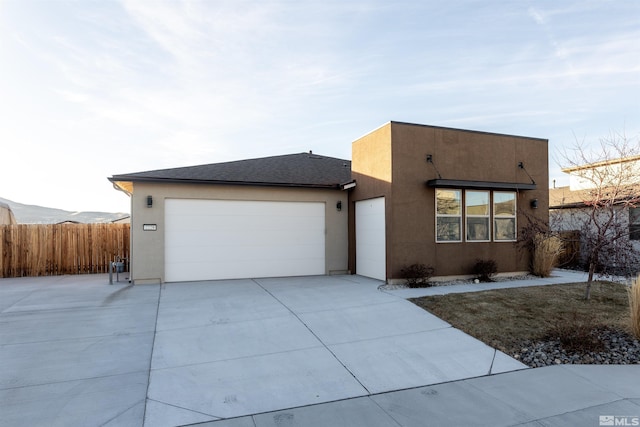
point(91, 89)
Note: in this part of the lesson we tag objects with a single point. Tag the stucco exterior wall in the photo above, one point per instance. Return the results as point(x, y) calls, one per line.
point(371, 168)
point(147, 247)
point(457, 154)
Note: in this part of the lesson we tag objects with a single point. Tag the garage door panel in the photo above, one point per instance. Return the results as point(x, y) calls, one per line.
point(218, 239)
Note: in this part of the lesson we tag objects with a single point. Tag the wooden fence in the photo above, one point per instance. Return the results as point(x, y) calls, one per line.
point(571, 248)
point(54, 249)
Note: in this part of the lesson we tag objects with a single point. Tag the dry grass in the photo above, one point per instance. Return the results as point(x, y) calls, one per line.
point(547, 249)
point(634, 307)
point(503, 318)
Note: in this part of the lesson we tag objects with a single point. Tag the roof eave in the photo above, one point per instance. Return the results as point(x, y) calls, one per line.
point(121, 178)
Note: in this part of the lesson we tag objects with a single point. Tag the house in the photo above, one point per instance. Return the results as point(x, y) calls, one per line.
point(274, 216)
point(614, 187)
point(412, 194)
point(444, 198)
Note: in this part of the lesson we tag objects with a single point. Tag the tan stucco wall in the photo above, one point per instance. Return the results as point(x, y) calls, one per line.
point(457, 154)
point(371, 155)
point(147, 247)
point(371, 167)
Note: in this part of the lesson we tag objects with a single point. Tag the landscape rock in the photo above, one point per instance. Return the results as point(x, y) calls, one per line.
point(620, 348)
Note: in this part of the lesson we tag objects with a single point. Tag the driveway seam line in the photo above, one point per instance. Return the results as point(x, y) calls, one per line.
point(60, 340)
point(99, 377)
point(250, 356)
point(153, 344)
point(353, 306)
point(314, 334)
point(121, 412)
point(391, 336)
point(187, 409)
point(370, 397)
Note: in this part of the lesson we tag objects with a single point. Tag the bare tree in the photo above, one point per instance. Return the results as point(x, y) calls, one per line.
point(607, 184)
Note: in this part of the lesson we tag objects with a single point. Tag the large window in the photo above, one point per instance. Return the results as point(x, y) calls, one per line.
point(477, 216)
point(634, 223)
point(448, 215)
point(480, 206)
point(504, 216)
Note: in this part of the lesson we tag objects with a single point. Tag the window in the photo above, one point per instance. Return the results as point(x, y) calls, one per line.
point(477, 216)
point(504, 216)
point(448, 215)
point(480, 206)
point(634, 223)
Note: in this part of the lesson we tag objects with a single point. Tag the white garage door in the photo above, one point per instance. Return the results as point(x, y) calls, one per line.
point(370, 239)
point(223, 239)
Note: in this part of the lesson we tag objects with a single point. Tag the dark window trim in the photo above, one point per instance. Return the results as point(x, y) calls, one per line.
point(484, 185)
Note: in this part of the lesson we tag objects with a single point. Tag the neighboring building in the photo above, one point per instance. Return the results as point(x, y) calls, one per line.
point(123, 220)
point(444, 198)
point(415, 194)
point(618, 180)
point(6, 215)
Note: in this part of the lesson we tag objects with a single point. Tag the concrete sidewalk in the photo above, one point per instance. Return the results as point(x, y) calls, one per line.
point(571, 395)
point(558, 276)
point(286, 351)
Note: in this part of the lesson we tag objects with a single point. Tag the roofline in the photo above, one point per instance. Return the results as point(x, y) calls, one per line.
point(233, 161)
point(622, 201)
point(576, 205)
point(124, 178)
point(468, 130)
point(601, 163)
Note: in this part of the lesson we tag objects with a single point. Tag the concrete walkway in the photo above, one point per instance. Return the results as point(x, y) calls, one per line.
point(289, 351)
point(558, 276)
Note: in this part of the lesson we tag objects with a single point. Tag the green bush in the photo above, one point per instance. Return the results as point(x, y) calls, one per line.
point(484, 269)
point(417, 275)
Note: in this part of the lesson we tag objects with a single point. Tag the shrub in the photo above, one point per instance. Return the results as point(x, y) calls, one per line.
point(634, 307)
point(484, 269)
point(577, 334)
point(417, 275)
point(546, 250)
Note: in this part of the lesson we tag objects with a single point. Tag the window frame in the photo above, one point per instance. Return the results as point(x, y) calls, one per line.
point(495, 216)
point(459, 215)
point(487, 216)
point(634, 226)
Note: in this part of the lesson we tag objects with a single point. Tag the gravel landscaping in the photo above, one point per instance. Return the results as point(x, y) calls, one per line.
point(619, 348)
point(545, 325)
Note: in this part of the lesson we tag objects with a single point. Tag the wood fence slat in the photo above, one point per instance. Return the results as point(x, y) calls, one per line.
point(55, 249)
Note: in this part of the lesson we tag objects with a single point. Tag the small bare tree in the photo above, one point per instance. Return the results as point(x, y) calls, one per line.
point(609, 182)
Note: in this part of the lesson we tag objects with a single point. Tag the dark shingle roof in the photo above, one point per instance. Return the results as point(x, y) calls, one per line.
point(292, 170)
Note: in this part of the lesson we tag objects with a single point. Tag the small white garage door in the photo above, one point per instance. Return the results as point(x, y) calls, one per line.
point(370, 239)
point(228, 239)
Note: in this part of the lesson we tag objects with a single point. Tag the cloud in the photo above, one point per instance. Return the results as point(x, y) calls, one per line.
point(536, 16)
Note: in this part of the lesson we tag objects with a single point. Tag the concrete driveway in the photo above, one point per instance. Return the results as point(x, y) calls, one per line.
point(76, 351)
point(231, 348)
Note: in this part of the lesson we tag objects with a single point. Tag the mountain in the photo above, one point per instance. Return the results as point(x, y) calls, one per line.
point(32, 214)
